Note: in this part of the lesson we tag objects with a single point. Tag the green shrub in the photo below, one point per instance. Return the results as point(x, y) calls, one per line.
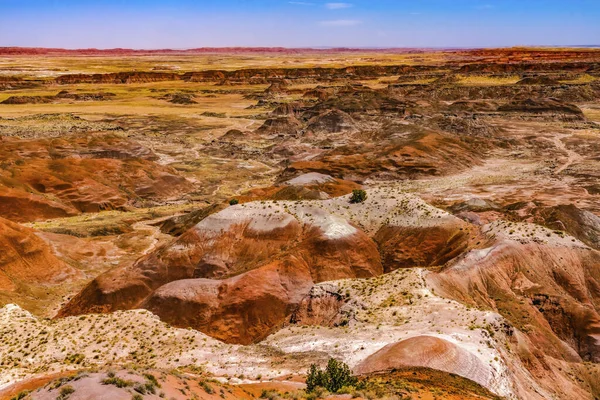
point(65, 392)
point(74, 358)
point(21, 395)
point(336, 376)
point(207, 388)
point(269, 395)
point(358, 196)
point(118, 382)
point(233, 202)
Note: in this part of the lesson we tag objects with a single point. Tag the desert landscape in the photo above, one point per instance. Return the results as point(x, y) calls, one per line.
point(219, 222)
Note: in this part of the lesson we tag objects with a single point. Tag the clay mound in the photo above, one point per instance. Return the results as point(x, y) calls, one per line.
point(28, 100)
point(321, 307)
point(543, 106)
point(428, 352)
point(427, 153)
point(61, 95)
point(299, 193)
point(100, 96)
point(538, 80)
point(579, 223)
point(277, 88)
point(284, 110)
point(178, 225)
point(243, 310)
point(233, 135)
point(462, 126)
point(312, 178)
point(473, 106)
point(282, 126)
point(247, 260)
point(543, 282)
point(474, 204)
point(310, 186)
point(27, 259)
point(410, 247)
point(22, 206)
point(180, 98)
point(450, 79)
point(333, 121)
point(352, 99)
point(319, 94)
point(60, 177)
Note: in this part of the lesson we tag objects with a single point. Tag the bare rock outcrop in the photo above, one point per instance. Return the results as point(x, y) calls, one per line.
point(429, 352)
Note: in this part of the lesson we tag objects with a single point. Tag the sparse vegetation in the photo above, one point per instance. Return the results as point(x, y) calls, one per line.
point(118, 382)
point(65, 392)
point(358, 196)
point(335, 376)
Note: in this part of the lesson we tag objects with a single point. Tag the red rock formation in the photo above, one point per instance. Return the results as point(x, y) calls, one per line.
point(428, 352)
point(27, 259)
point(245, 267)
point(549, 290)
point(61, 177)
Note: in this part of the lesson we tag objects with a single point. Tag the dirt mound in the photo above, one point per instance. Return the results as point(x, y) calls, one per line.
point(538, 80)
point(333, 121)
point(544, 282)
point(279, 87)
point(310, 186)
point(281, 126)
point(180, 98)
point(565, 92)
point(117, 78)
point(28, 100)
point(27, 260)
point(449, 79)
point(552, 107)
point(233, 136)
point(319, 94)
point(52, 125)
point(321, 307)
point(357, 99)
point(178, 225)
point(579, 223)
point(100, 96)
point(239, 273)
point(60, 96)
point(409, 247)
point(461, 126)
point(284, 110)
point(426, 153)
point(428, 352)
point(473, 106)
point(54, 178)
point(474, 204)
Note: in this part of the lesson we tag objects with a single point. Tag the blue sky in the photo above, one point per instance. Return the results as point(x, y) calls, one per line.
point(302, 23)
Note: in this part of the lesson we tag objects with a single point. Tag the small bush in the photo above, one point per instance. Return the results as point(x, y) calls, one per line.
point(336, 376)
point(269, 395)
point(21, 395)
point(118, 382)
point(65, 392)
point(74, 358)
point(358, 196)
point(207, 388)
point(233, 202)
